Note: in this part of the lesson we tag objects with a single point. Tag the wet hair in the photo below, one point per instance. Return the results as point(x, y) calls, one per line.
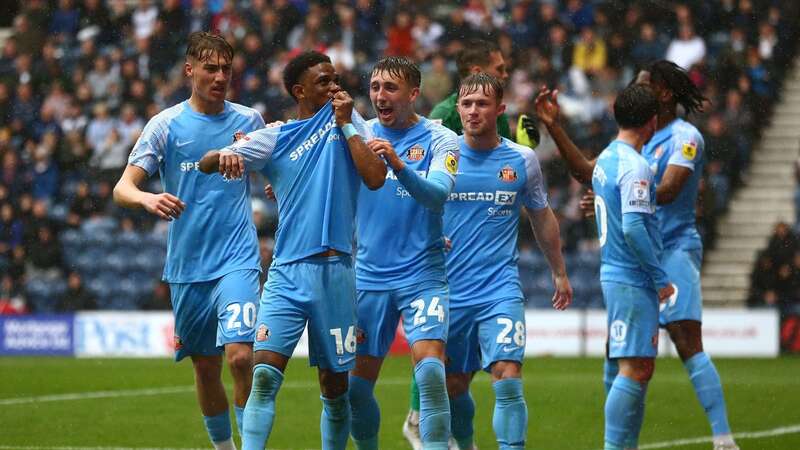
point(297, 67)
point(203, 44)
point(635, 106)
point(399, 67)
point(674, 78)
point(476, 52)
point(482, 81)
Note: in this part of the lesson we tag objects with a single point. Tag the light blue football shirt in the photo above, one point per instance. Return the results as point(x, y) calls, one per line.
point(400, 242)
point(315, 181)
point(482, 220)
point(215, 234)
point(680, 144)
point(623, 183)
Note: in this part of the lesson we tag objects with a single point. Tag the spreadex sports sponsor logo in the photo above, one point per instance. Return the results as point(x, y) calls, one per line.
point(498, 197)
point(309, 143)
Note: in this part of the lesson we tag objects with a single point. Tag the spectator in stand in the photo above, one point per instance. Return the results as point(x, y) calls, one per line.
point(45, 255)
point(590, 54)
point(11, 230)
point(782, 244)
point(398, 37)
point(44, 170)
point(12, 301)
point(762, 282)
point(76, 297)
point(83, 205)
point(426, 34)
point(687, 49)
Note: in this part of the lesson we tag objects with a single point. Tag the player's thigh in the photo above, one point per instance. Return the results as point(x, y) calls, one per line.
point(463, 351)
point(332, 333)
point(632, 320)
point(683, 270)
point(195, 319)
point(377, 323)
point(236, 300)
point(425, 310)
point(502, 332)
point(283, 310)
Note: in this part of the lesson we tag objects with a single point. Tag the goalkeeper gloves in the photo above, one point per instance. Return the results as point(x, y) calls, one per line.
point(527, 131)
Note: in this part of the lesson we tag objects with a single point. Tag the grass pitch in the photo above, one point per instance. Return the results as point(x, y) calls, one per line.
point(57, 403)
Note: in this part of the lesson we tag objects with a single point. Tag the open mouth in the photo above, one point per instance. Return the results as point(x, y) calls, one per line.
point(385, 113)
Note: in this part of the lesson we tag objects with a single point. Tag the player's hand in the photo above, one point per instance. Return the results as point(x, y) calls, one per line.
point(342, 108)
point(587, 204)
point(164, 205)
point(547, 108)
point(665, 293)
point(269, 192)
point(384, 149)
point(563, 295)
point(231, 165)
point(448, 243)
point(277, 123)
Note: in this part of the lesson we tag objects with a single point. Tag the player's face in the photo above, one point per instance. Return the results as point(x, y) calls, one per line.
point(210, 77)
point(392, 98)
point(318, 84)
point(497, 66)
point(479, 110)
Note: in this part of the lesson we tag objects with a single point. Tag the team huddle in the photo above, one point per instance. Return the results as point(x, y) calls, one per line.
point(400, 219)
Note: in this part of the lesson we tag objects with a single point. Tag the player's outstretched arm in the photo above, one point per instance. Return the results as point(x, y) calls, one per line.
point(547, 110)
point(127, 193)
point(368, 164)
point(548, 236)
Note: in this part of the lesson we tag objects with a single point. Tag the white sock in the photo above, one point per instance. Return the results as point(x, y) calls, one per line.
point(225, 445)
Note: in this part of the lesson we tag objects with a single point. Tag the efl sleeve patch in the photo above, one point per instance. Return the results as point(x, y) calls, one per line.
point(689, 150)
point(451, 163)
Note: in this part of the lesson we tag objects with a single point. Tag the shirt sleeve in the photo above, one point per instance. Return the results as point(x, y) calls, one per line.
point(687, 149)
point(362, 126)
point(534, 194)
point(256, 147)
point(444, 145)
point(636, 189)
point(258, 121)
point(149, 149)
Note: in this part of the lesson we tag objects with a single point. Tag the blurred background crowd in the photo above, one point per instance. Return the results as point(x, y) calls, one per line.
point(80, 78)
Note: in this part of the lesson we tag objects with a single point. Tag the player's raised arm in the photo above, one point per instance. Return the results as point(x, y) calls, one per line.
point(368, 164)
point(431, 191)
point(547, 110)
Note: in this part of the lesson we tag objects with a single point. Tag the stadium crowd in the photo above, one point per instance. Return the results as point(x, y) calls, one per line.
point(78, 80)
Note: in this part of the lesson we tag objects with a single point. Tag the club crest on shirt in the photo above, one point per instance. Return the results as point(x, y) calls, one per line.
point(263, 333)
point(451, 163)
point(177, 343)
point(507, 174)
point(416, 153)
point(240, 135)
point(640, 189)
point(689, 150)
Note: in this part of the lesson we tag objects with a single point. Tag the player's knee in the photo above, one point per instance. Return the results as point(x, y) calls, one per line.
point(332, 384)
point(457, 384)
point(207, 368)
point(643, 371)
point(502, 370)
point(266, 381)
point(240, 362)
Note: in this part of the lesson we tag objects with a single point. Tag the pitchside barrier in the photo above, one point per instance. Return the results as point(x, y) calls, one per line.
point(726, 332)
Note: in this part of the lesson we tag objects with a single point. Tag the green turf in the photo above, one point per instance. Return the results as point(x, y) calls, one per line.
point(565, 402)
